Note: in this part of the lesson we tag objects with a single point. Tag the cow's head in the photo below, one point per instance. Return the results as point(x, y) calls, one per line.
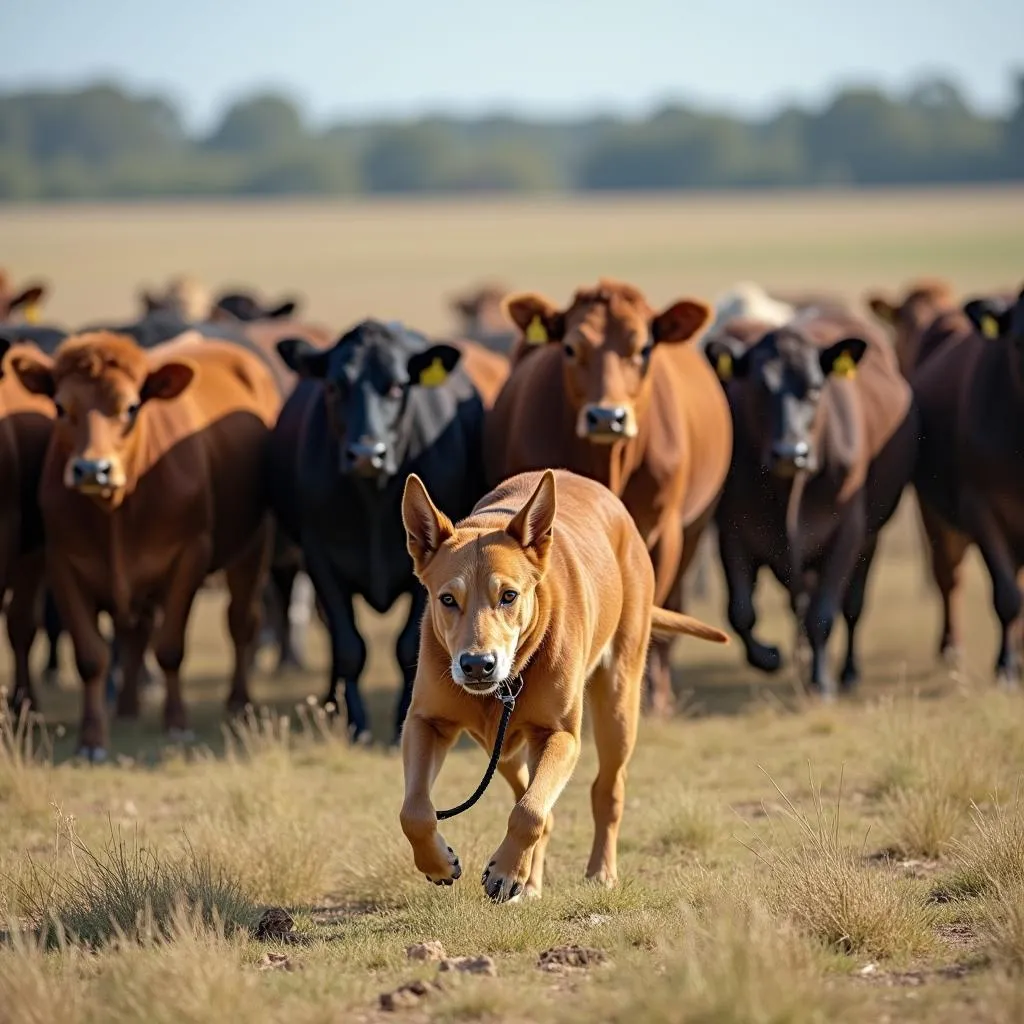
point(481, 310)
point(788, 376)
point(1000, 317)
point(20, 301)
point(186, 296)
point(247, 307)
point(368, 377)
point(910, 316)
point(607, 337)
point(100, 384)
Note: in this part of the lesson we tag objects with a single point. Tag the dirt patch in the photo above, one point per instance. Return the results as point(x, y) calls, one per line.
point(913, 867)
point(470, 965)
point(277, 962)
point(560, 958)
point(429, 950)
point(919, 976)
point(408, 996)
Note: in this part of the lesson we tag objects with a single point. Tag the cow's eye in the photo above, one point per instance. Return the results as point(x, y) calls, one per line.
point(569, 350)
point(131, 412)
point(448, 601)
point(508, 597)
point(61, 411)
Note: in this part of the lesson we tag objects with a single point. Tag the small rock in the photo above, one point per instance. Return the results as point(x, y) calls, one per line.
point(276, 962)
point(470, 965)
point(560, 957)
point(429, 950)
point(405, 997)
point(275, 923)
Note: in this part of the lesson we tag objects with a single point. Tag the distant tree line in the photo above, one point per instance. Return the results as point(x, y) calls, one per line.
point(103, 142)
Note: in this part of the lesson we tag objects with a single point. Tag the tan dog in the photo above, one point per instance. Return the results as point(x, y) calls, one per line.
point(564, 603)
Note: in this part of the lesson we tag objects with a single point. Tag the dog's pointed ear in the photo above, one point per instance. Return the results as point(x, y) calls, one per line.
point(426, 526)
point(533, 525)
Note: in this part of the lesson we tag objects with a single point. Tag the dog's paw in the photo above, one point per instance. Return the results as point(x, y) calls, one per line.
point(441, 864)
point(504, 879)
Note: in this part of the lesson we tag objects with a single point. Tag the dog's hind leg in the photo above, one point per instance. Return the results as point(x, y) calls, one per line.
point(614, 694)
point(516, 772)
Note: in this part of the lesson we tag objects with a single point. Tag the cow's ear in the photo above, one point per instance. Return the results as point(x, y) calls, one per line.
point(533, 525)
point(35, 373)
point(680, 322)
point(990, 318)
point(303, 358)
point(729, 358)
point(149, 302)
point(28, 302)
point(841, 359)
point(537, 317)
point(883, 309)
point(430, 369)
point(167, 381)
point(279, 312)
point(426, 526)
point(5, 344)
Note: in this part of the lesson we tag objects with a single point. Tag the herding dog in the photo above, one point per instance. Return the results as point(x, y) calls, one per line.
point(567, 606)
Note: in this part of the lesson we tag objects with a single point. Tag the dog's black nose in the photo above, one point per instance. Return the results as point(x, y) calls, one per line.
point(478, 667)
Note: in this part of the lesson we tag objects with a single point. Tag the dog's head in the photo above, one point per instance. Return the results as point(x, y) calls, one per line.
point(482, 584)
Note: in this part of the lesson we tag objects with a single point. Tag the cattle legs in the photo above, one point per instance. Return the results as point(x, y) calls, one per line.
point(1006, 596)
point(348, 650)
point(130, 643)
point(853, 607)
point(407, 651)
point(246, 578)
point(54, 627)
point(740, 575)
point(948, 548)
point(26, 584)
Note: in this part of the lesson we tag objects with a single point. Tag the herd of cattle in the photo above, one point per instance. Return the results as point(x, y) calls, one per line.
point(223, 435)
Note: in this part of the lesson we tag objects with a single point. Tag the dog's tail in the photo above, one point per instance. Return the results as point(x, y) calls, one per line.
point(666, 624)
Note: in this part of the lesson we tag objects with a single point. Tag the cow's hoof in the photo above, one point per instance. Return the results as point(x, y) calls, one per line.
point(765, 657)
point(850, 676)
point(92, 755)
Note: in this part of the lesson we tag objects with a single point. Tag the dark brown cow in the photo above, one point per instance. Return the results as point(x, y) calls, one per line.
point(825, 436)
point(970, 473)
point(911, 316)
point(482, 318)
point(153, 479)
point(26, 421)
point(23, 302)
point(616, 393)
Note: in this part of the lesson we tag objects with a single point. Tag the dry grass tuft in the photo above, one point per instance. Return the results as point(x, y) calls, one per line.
point(992, 856)
point(819, 882)
point(128, 890)
point(25, 764)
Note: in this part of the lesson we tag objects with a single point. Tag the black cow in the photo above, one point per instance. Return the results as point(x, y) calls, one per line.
point(382, 403)
point(825, 435)
point(247, 307)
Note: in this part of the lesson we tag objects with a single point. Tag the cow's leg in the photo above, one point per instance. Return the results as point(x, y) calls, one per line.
point(948, 548)
point(667, 556)
point(837, 568)
point(853, 607)
point(80, 616)
point(190, 569)
point(740, 568)
point(282, 588)
point(131, 641)
point(1006, 596)
point(23, 622)
point(54, 627)
point(407, 652)
point(246, 582)
point(348, 651)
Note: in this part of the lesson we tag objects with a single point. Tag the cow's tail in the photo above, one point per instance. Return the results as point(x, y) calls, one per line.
point(665, 625)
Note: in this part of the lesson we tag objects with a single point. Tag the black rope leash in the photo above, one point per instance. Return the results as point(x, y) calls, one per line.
point(507, 693)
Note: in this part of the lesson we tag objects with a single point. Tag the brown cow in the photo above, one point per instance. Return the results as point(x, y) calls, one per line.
point(971, 465)
point(23, 301)
point(25, 425)
point(618, 395)
point(825, 436)
point(483, 319)
point(909, 317)
point(153, 479)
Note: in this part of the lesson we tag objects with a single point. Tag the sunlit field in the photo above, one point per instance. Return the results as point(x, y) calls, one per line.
point(779, 861)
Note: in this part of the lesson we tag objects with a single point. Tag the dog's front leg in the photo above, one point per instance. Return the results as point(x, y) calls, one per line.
point(553, 756)
point(425, 742)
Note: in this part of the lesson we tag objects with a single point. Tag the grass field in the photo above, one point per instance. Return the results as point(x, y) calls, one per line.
point(780, 862)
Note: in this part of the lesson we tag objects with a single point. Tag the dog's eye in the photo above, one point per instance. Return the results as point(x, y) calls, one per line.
point(448, 601)
point(508, 597)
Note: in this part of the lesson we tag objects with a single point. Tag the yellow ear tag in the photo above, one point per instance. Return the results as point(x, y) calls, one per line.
point(989, 326)
point(723, 366)
point(434, 375)
point(32, 313)
point(536, 332)
point(844, 366)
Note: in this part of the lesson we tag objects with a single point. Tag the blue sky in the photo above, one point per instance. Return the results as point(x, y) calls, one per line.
point(360, 58)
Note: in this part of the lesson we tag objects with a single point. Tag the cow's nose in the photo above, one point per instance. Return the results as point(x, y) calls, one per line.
point(795, 452)
point(606, 418)
point(91, 471)
point(478, 667)
point(366, 454)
